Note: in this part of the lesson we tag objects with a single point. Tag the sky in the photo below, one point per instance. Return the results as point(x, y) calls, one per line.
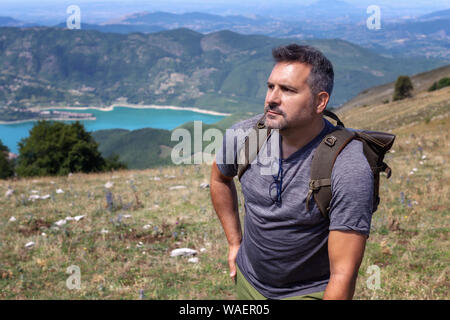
point(97, 11)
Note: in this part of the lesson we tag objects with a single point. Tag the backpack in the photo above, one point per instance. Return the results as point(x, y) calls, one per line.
point(375, 146)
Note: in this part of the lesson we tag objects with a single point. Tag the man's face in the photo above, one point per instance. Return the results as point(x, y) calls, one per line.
point(289, 100)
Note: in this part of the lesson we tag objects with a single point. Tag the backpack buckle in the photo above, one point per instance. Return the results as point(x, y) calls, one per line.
point(330, 141)
point(261, 125)
point(313, 185)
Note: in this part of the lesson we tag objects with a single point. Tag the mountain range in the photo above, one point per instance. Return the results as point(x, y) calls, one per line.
point(221, 71)
point(427, 35)
point(421, 35)
point(10, 22)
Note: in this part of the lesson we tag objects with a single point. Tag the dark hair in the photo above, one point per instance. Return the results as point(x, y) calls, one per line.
point(321, 76)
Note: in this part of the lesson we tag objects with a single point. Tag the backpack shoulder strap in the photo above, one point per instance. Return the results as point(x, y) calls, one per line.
point(322, 165)
point(247, 155)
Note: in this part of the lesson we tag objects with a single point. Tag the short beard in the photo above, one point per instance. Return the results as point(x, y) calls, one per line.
point(271, 124)
point(280, 124)
point(283, 125)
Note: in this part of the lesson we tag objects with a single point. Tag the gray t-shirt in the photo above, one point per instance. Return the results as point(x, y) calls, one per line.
point(284, 248)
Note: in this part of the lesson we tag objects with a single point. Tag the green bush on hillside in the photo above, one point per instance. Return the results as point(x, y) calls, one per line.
point(56, 148)
point(6, 166)
point(442, 83)
point(403, 88)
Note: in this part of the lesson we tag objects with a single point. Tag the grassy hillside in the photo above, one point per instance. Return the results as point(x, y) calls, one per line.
point(384, 92)
point(222, 71)
point(123, 247)
point(149, 148)
point(139, 149)
point(410, 230)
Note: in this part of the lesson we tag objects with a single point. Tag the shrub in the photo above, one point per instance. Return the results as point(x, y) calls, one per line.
point(442, 83)
point(56, 148)
point(403, 88)
point(6, 166)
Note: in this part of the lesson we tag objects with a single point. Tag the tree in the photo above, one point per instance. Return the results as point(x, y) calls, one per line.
point(56, 148)
point(403, 88)
point(6, 166)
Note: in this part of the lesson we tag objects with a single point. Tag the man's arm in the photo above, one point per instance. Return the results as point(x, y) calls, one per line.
point(224, 200)
point(346, 251)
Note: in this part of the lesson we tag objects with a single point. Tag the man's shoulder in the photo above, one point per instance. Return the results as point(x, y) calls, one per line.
point(351, 161)
point(352, 190)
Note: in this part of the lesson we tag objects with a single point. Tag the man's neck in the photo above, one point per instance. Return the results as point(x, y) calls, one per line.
point(294, 139)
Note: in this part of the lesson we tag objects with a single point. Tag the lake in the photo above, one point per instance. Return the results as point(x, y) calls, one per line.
point(119, 118)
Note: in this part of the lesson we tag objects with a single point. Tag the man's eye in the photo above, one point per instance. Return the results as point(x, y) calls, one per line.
point(286, 89)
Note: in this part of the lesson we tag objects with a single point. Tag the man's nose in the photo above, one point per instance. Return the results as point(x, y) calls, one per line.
point(274, 97)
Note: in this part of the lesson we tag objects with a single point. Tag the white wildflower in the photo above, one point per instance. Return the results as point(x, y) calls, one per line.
point(9, 193)
point(109, 185)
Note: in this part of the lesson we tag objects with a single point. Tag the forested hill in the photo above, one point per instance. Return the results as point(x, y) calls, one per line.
point(222, 71)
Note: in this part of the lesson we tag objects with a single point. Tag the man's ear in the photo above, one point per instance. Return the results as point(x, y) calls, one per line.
point(321, 101)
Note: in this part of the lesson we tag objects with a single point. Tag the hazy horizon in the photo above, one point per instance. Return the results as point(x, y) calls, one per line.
point(99, 11)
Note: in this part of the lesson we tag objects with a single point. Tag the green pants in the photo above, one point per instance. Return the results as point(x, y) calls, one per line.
point(245, 291)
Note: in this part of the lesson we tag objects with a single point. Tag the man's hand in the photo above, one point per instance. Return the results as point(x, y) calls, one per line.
point(232, 253)
point(346, 250)
point(224, 200)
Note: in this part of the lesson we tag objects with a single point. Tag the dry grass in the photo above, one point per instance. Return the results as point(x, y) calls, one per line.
point(132, 256)
point(410, 231)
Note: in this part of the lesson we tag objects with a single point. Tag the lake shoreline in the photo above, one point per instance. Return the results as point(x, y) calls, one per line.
point(53, 119)
point(140, 106)
point(111, 108)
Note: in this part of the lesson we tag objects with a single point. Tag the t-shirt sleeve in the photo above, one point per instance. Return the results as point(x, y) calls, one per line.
point(226, 156)
point(352, 191)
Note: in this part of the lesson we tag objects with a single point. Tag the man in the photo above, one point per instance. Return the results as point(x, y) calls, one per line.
point(289, 250)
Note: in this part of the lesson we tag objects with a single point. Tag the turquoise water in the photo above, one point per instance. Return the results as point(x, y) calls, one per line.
point(119, 118)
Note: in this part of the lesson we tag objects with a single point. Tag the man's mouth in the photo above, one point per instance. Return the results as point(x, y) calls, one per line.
point(273, 112)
